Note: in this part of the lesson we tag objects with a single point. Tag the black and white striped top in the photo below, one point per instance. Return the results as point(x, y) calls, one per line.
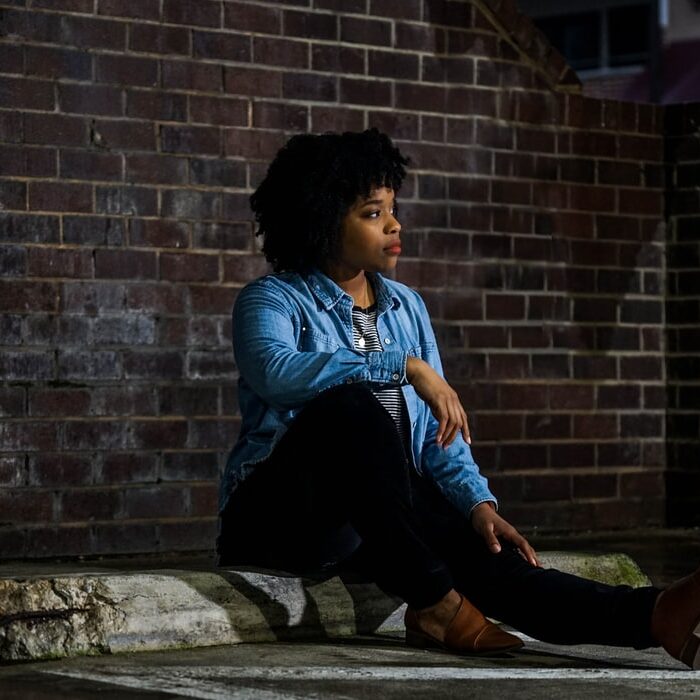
point(365, 337)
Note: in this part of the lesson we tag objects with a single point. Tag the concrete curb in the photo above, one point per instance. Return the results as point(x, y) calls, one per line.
point(45, 615)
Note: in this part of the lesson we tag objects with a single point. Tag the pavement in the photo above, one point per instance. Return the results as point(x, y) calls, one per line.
point(321, 654)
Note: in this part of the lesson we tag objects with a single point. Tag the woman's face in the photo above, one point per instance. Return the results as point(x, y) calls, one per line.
point(370, 234)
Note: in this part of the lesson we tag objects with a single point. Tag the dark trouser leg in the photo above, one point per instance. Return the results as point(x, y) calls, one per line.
point(544, 603)
point(340, 461)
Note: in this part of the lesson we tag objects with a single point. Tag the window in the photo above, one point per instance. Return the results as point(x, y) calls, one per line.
point(614, 37)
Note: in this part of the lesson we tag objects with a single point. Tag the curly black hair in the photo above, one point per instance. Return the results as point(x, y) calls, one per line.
point(310, 185)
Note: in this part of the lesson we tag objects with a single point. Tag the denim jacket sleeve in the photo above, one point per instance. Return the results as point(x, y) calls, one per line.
point(453, 468)
point(265, 347)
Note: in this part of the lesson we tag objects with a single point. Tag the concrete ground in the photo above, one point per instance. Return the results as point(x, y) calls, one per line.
point(381, 665)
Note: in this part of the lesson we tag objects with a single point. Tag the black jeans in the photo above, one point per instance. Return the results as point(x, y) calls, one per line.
point(340, 493)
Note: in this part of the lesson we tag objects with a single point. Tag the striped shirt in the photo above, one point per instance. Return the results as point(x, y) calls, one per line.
point(366, 338)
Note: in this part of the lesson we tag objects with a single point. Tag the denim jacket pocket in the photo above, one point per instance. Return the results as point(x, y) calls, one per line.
point(312, 340)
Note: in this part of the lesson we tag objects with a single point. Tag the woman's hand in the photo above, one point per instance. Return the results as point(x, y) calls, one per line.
point(490, 525)
point(442, 400)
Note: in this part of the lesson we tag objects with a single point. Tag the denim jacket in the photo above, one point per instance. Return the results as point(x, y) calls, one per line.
point(292, 339)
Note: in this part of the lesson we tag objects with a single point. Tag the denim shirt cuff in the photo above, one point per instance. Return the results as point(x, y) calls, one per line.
point(387, 367)
point(483, 500)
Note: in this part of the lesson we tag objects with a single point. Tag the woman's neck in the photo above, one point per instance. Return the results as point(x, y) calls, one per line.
point(357, 286)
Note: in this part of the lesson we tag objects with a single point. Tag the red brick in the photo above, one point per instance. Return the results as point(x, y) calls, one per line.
point(124, 135)
point(156, 298)
point(30, 436)
point(92, 504)
point(221, 110)
point(133, 201)
point(60, 469)
point(57, 262)
point(189, 267)
point(152, 105)
point(133, 9)
point(126, 70)
point(213, 433)
point(58, 63)
point(126, 538)
point(204, 500)
point(153, 38)
point(155, 364)
point(55, 130)
point(160, 233)
point(126, 468)
point(90, 99)
point(244, 17)
point(204, 13)
point(12, 58)
point(255, 82)
point(308, 86)
point(155, 502)
point(55, 196)
point(158, 434)
point(13, 195)
point(331, 58)
point(189, 75)
point(255, 144)
point(176, 139)
point(125, 264)
point(227, 47)
point(90, 165)
point(280, 52)
point(155, 169)
point(191, 535)
point(26, 506)
point(131, 400)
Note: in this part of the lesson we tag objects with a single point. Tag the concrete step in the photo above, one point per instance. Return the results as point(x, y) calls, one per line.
point(72, 610)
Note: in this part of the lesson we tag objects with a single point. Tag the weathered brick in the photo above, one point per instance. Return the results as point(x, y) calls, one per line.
point(189, 267)
point(190, 535)
point(133, 9)
point(158, 433)
point(162, 298)
point(155, 169)
point(212, 433)
point(29, 436)
point(90, 165)
point(244, 17)
point(331, 58)
point(226, 47)
point(93, 230)
point(28, 296)
point(59, 262)
point(226, 236)
point(190, 204)
point(153, 38)
point(13, 261)
point(92, 298)
point(79, 364)
point(189, 75)
point(25, 506)
point(54, 130)
point(305, 86)
point(156, 364)
point(59, 196)
point(126, 70)
point(188, 400)
point(27, 162)
point(125, 264)
point(193, 139)
point(12, 402)
point(126, 538)
point(21, 93)
point(206, 13)
point(156, 105)
point(12, 471)
point(160, 233)
point(252, 81)
point(58, 63)
point(132, 201)
point(60, 469)
point(12, 58)
point(13, 195)
point(95, 434)
point(219, 110)
point(127, 467)
point(124, 135)
point(90, 504)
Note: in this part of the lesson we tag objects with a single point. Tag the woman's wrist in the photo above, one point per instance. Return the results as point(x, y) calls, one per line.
point(412, 367)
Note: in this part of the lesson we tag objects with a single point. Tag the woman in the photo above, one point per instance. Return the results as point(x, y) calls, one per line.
point(354, 451)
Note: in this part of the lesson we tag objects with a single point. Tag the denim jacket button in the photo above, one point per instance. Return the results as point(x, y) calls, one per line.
point(395, 377)
point(387, 340)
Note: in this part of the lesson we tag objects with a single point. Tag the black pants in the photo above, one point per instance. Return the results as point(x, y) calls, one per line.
point(339, 487)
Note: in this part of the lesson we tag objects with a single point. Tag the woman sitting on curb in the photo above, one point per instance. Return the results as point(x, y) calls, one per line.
point(354, 451)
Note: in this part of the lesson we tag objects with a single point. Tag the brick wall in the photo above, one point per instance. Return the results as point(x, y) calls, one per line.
point(131, 135)
point(683, 313)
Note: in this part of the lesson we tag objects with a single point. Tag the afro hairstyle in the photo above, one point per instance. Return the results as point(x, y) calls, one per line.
point(309, 187)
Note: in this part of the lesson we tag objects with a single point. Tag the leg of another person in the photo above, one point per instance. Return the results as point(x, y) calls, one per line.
point(340, 461)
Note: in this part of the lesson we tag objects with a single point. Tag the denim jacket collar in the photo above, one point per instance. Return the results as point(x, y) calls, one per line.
point(329, 293)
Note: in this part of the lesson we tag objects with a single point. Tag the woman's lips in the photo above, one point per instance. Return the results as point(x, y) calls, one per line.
point(393, 249)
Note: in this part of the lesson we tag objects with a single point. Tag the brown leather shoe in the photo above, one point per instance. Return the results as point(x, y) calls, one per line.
point(468, 633)
point(675, 622)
